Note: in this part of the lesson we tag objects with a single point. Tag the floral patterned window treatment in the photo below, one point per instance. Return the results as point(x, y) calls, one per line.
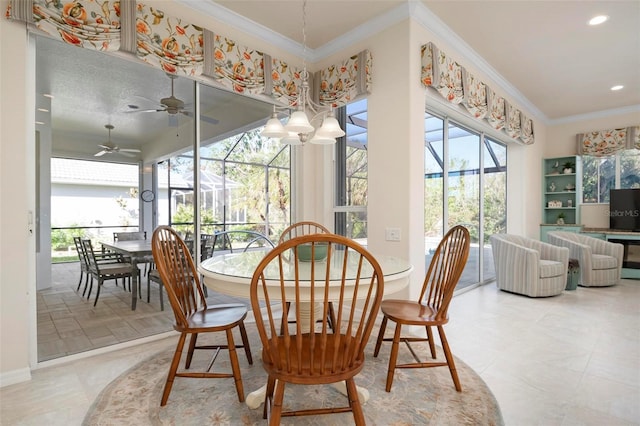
point(179, 47)
point(441, 72)
point(607, 142)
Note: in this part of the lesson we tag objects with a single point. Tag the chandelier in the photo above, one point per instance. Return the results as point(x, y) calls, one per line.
point(321, 128)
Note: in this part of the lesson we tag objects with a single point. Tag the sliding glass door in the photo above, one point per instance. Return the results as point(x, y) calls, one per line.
point(468, 171)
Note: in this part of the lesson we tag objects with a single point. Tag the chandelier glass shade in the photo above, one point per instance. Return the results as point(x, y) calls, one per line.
point(310, 122)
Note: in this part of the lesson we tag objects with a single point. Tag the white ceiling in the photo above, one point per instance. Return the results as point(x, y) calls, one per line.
point(542, 51)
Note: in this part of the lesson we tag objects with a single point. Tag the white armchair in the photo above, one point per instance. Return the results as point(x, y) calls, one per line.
point(600, 261)
point(529, 267)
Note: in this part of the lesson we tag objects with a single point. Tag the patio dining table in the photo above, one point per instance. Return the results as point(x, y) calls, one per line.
point(139, 251)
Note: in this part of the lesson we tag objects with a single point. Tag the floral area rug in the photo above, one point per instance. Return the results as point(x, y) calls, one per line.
point(418, 396)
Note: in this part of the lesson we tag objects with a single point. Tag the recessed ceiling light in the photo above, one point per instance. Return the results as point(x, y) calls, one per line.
point(618, 87)
point(597, 20)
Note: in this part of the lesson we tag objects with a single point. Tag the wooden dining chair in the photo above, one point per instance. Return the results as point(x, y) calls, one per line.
point(308, 352)
point(192, 314)
point(299, 229)
point(430, 309)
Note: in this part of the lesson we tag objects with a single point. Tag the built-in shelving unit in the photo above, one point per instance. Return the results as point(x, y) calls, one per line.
point(560, 189)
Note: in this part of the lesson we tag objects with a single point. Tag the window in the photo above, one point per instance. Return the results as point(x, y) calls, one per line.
point(600, 174)
point(244, 185)
point(351, 173)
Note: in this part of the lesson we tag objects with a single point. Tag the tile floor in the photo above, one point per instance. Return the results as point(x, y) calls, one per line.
point(69, 323)
point(573, 359)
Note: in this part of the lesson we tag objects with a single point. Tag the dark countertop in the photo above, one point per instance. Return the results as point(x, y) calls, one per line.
point(609, 231)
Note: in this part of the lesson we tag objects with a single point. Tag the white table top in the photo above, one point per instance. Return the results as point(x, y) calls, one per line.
point(231, 273)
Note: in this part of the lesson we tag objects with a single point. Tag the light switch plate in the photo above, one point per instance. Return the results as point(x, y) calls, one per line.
point(392, 234)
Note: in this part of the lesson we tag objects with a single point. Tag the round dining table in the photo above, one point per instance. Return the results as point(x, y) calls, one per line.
point(231, 274)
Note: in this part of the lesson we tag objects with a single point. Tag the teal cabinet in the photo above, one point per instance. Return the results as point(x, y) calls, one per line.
point(560, 190)
point(544, 229)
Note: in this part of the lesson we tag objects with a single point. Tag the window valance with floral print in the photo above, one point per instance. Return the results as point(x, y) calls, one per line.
point(607, 142)
point(453, 82)
point(92, 24)
point(341, 84)
point(182, 48)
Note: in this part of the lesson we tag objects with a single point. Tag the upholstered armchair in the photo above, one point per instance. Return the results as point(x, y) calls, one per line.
point(600, 261)
point(529, 267)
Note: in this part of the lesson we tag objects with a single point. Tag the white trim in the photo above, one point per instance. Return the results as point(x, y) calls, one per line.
point(104, 350)
point(15, 376)
point(596, 115)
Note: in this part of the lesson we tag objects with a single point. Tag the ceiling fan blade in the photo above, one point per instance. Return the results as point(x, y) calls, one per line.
point(144, 110)
point(129, 150)
point(105, 147)
point(101, 153)
point(126, 154)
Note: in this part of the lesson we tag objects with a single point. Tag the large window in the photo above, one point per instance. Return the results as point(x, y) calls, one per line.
point(468, 170)
point(351, 173)
point(600, 174)
point(244, 185)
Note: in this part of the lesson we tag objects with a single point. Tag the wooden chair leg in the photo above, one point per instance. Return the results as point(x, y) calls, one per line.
point(332, 317)
point(383, 327)
point(449, 357)
point(235, 365)
point(245, 343)
point(268, 397)
point(172, 370)
point(276, 407)
point(192, 347)
point(432, 344)
point(393, 358)
point(354, 402)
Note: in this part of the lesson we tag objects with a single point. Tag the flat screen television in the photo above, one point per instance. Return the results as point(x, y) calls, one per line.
point(624, 209)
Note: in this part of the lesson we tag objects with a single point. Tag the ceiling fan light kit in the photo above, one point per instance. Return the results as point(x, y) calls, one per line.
point(111, 148)
point(172, 106)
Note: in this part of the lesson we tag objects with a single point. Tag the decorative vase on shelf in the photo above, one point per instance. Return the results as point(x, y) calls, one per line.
point(560, 221)
point(552, 187)
point(568, 171)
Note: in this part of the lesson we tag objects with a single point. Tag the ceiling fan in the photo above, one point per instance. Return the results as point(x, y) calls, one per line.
point(172, 106)
point(111, 148)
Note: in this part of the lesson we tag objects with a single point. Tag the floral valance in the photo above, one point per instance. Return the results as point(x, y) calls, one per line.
point(607, 142)
point(339, 85)
point(442, 73)
point(180, 47)
point(238, 68)
point(92, 24)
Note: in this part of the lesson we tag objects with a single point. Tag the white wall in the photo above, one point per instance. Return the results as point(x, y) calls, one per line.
point(17, 183)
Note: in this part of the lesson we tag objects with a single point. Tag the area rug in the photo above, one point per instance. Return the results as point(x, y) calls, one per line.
point(418, 396)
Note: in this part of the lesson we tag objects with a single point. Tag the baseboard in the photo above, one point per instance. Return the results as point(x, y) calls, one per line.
point(15, 376)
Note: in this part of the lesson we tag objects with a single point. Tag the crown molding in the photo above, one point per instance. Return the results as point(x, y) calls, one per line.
point(430, 21)
point(595, 115)
point(411, 9)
